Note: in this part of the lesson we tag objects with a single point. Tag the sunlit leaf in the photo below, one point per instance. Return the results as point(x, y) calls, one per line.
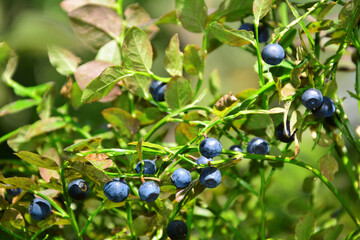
point(178, 92)
point(110, 52)
point(261, 8)
point(64, 61)
point(20, 182)
point(232, 37)
point(37, 160)
point(84, 145)
point(192, 14)
point(194, 58)
point(173, 57)
point(17, 106)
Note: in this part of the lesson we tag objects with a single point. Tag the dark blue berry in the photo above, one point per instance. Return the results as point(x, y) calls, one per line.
point(149, 191)
point(39, 209)
point(14, 191)
point(236, 148)
point(210, 177)
point(312, 99)
point(258, 145)
point(283, 136)
point(117, 190)
point(149, 167)
point(157, 90)
point(210, 147)
point(181, 178)
point(273, 54)
point(78, 189)
point(262, 30)
point(247, 26)
point(177, 230)
point(202, 160)
point(327, 108)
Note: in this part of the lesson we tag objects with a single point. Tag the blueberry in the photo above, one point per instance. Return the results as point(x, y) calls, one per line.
point(312, 99)
point(181, 178)
point(283, 136)
point(117, 190)
point(149, 191)
point(39, 209)
point(157, 90)
point(149, 167)
point(210, 177)
point(177, 230)
point(258, 145)
point(262, 30)
point(247, 26)
point(327, 108)
point(273, 54)
point(14, 191)
point(203, 160)
point(210, 147)
point(236, 148)
point(78, 189)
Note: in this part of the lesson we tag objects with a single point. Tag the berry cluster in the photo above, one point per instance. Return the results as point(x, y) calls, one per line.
point(320, 105)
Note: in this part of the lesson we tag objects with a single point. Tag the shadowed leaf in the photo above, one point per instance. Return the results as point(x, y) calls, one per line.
point(37, 160)
point(95, 25)
point(91, 172)
point(121, 120)
point(149, 115)
point(234, 10)
point(138, 85)
point(192, 14)
point(20, 182)
point(84, 145)
point(328, 166)
point(305, 227)
point(215, 82)
point(185, 132)
point(12, 218)
point(178, 92)
point(194, 58)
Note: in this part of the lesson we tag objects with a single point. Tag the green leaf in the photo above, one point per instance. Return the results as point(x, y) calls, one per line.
point(298, 206)
point(308, 184)
point(234, 10)
point(64, 61)
point(44, 109)
point(84, 145)
point(18, 106)
point(138, 85)
point(330, 89)
point(194, 58)
point(260, 125)
point(185, 132)
point(192, 14)
point(215, 82)
point(288, 38)
point(225, 104)
point(37, 160)
point(174, 57)
point(45, 126)
point(143, 224)
point(169, 17)
point(121, 120)
point(12, 218)
point(95, 25)
point(284, 68)
point(321, 11)
point(95, 174)
point(353, 95)
point(137, 50)
point(328, 166)
point(315, 27)
point(110, 52)
point(8, 61)
point(69, 5)
point(305, 227)
point(232, 37)
point(346, 13)
point(20, 182)
point(178, 92)
point(333, 233)
point(261, 8)
point(103, 84)
point(149, 115)
point(137, 16)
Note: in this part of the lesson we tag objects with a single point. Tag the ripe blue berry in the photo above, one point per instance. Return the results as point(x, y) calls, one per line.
point(117, 190)
point(327, 108)
point(283, 136)
point(157, 90)
point(273, 54)
point(14, 191)
point(262, 30)
point(236, 148)
point(39, 209)
point(149, 191)
point(258, 145)
point(210, 147)
point(177, 230)
point(312, 99)
point(202, 160)
point(149, 167)
point(210, 177)
point(181, 178)
point(78, 189)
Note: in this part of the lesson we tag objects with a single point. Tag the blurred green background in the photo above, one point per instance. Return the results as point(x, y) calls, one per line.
point(28, 26)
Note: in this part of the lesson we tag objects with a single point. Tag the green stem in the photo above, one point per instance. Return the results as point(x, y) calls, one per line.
point(9, 135)
point(258, 54)
point(119, 8)
point(89, 220)
point(33, 237)
point(262, 201)
point(129, 218)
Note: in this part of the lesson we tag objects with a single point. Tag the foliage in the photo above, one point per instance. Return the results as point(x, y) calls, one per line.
point(57, 149)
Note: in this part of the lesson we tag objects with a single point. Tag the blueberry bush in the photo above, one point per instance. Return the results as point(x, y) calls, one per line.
point(228, 169)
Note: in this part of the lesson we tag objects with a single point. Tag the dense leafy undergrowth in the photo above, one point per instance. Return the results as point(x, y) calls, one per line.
point(131, 183)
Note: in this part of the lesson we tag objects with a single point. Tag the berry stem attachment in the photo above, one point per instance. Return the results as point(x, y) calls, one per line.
point(204, 134)
point(142, 179)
